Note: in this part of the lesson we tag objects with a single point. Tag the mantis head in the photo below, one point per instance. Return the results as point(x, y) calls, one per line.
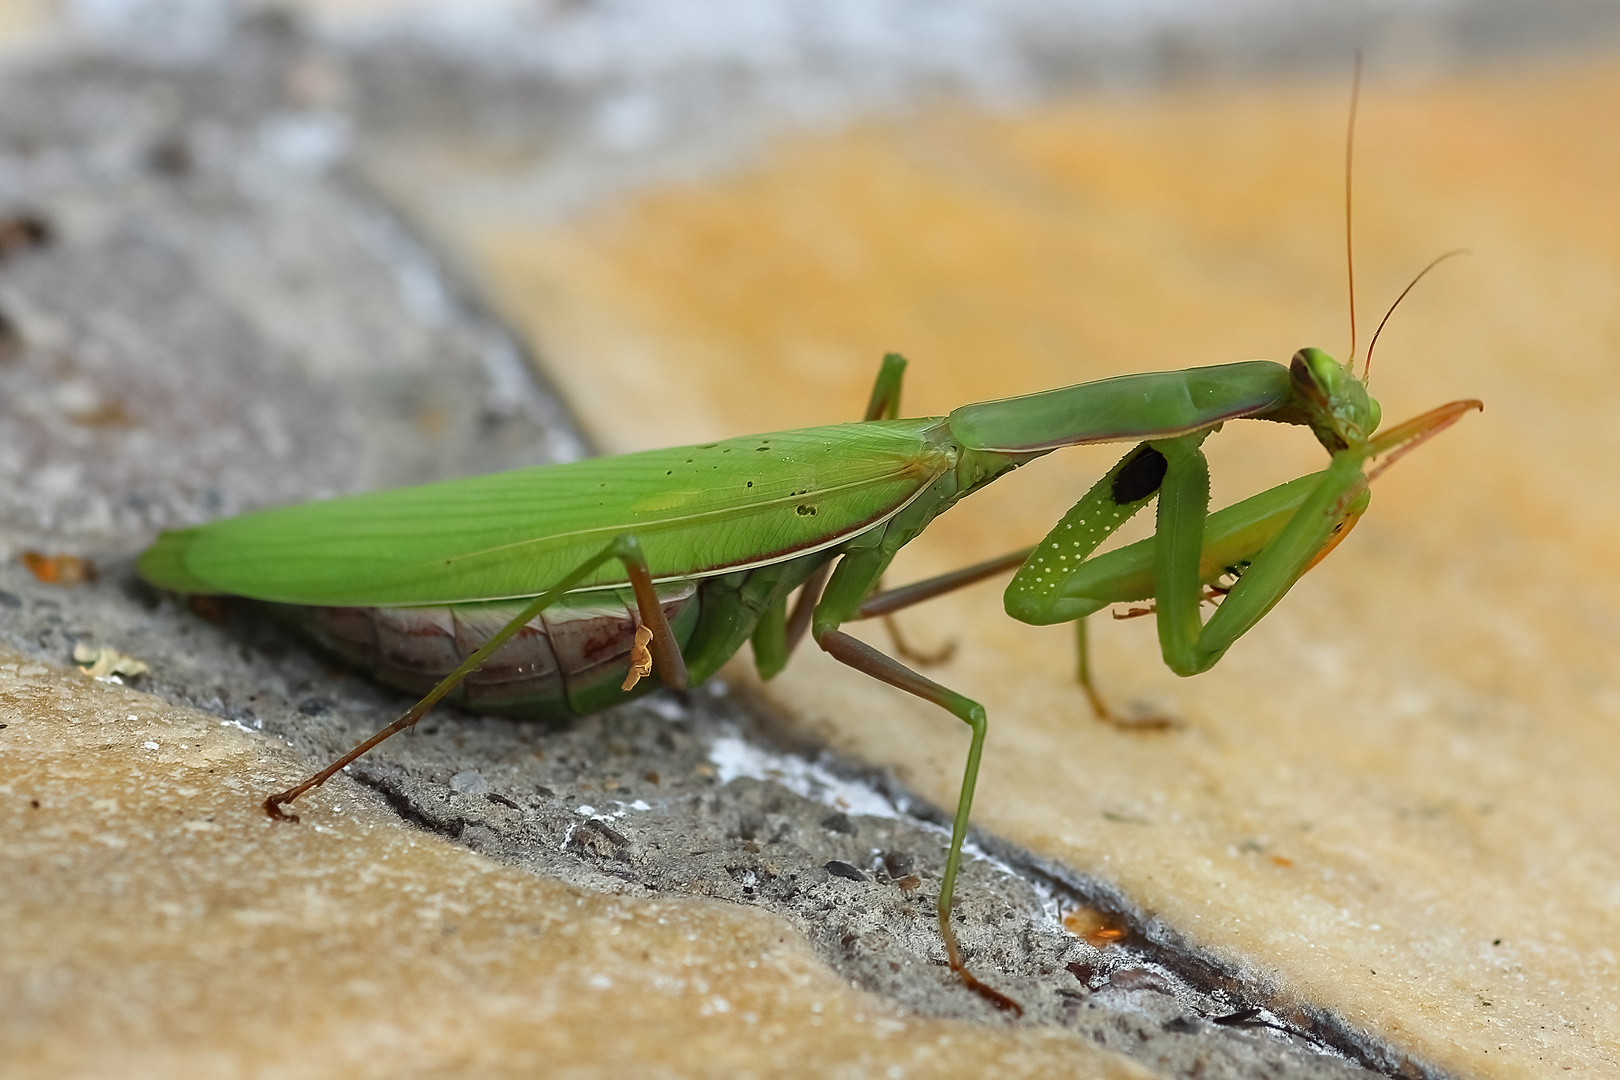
point(1341, 412)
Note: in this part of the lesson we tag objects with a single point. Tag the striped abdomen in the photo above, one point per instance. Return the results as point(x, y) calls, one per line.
point(571, 658)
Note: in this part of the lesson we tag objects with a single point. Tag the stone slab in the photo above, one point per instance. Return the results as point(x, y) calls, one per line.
point(155, 930)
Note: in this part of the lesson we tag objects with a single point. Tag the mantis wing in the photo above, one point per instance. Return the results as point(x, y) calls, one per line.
point(697, 510)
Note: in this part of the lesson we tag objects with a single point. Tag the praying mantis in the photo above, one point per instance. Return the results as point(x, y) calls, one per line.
point(559, 589)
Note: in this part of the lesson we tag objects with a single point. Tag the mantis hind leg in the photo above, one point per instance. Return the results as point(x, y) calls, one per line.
point(655, 645)
point(920, 657)
point(884, 404)
point(779, 633)
point(862, 657)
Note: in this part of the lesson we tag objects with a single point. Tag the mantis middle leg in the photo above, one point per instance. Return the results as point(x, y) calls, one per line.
point(884, 404)
point(892, 600)
point(779, 633)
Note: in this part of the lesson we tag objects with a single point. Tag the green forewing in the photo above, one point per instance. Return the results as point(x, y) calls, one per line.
point(697, 510)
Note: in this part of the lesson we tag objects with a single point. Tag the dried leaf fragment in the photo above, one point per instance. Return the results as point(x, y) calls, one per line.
point(59, 569)
point(640, 658)
point(1096, 928)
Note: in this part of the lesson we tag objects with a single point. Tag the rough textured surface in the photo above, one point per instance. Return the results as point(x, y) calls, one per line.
point(1396, 797)
point(155, 930)
point(210, 319)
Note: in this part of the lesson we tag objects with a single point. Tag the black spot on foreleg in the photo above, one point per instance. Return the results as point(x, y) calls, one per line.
point(1139, 477)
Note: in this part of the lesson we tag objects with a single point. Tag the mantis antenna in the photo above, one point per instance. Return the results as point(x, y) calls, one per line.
point(1349, 247)
point(1373, 344)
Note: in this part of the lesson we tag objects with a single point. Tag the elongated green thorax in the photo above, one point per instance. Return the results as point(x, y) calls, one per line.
point(1158, 405)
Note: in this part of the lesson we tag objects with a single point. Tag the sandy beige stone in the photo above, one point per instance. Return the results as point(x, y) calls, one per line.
point(154, 927)
point(1397, 796)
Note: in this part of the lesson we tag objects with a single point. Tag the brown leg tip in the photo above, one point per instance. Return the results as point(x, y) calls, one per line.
point(942, 655)
point(1135, 725)
point(993, 996)
point(1139, 725)
point(917, 657)
point(272, 807)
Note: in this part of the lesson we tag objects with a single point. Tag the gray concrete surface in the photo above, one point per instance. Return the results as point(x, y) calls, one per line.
point(211, 313)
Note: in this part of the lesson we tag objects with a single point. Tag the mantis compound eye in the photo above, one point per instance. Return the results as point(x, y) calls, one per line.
point(1344, 413)
point(1316, 374)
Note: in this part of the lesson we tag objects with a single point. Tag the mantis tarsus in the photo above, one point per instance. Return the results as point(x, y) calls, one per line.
point(555, 589)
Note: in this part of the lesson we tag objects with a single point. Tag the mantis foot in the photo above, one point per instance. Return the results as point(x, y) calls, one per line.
point(1140, 724)
point(1153, 722)
point(273, 806)
point(904, 648)
point(990, 994)
point(953, 956)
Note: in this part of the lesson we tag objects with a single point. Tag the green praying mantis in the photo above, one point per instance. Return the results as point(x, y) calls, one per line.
point(558, 589)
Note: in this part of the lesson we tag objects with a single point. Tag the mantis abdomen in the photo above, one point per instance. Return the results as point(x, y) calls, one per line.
point(569, 659)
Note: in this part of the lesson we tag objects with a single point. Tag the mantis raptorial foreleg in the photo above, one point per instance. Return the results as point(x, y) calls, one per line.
point(1325, 515)
point(1121, 492)
point(665, 654)
point(1061, 581)
point(1266, 541)
point(1044, 590)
